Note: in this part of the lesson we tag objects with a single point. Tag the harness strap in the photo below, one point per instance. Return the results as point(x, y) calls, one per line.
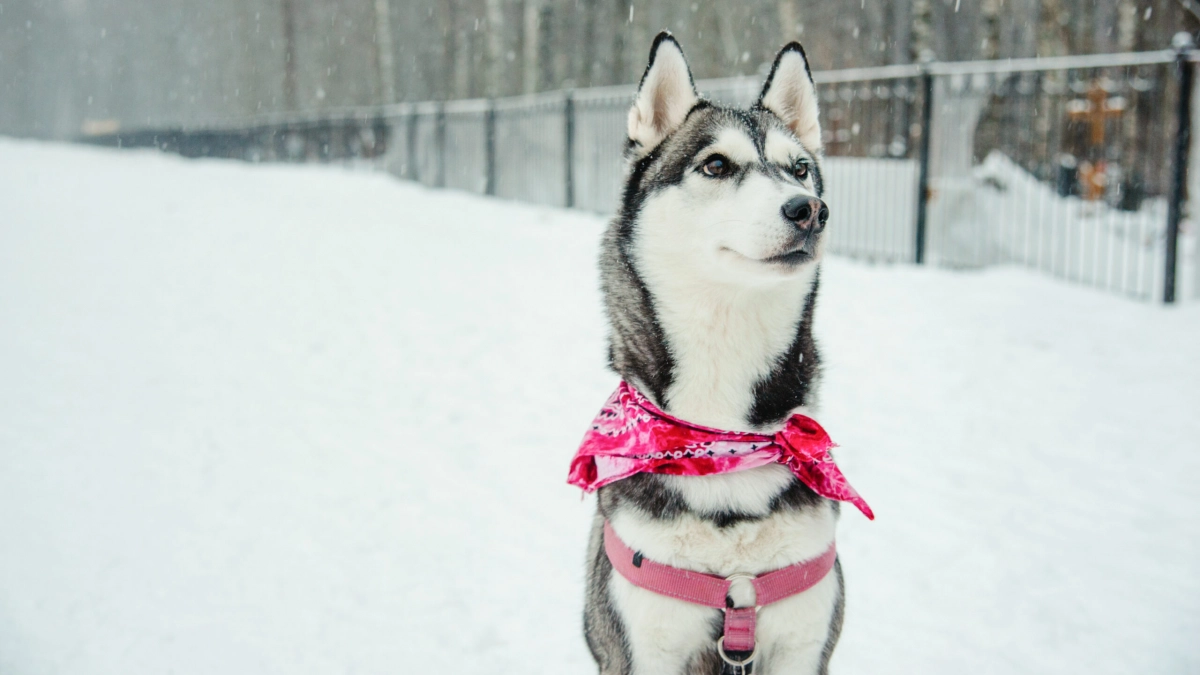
point(740, 623)
point(788, 581)
point(694, 587)
point(713, 591)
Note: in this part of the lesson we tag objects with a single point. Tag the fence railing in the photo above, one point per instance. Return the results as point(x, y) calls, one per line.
point(1075, 166)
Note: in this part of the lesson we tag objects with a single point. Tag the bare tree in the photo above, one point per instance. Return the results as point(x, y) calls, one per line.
point(385, 50)
point(288, 12)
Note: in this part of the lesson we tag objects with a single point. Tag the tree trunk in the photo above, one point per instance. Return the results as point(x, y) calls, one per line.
point(385, 51)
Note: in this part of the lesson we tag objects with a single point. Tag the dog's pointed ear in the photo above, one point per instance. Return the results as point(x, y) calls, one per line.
point(664, 97)
point(790, 93)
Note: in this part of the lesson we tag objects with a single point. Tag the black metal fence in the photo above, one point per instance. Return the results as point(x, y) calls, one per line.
point(1075, 166)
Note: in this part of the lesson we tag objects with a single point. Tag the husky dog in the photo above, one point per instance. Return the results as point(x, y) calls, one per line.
point(710, 273)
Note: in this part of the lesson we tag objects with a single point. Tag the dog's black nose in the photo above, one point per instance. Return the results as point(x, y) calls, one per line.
point(808, 213)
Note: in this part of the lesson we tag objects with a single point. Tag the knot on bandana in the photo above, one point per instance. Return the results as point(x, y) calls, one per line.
point(803, 440)
point(631, 435)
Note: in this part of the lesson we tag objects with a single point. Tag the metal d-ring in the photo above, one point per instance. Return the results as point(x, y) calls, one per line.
point(748, 577)
point(735, 664)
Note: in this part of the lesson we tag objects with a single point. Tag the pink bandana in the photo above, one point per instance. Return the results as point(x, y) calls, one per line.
point(631, 435)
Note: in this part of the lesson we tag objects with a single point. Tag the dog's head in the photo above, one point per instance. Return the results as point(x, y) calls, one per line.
point(728, 194)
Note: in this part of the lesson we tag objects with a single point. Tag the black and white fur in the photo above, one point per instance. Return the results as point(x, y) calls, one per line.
point(710, 291)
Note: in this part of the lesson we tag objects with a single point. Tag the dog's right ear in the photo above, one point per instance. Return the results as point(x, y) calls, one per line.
point(664, 97)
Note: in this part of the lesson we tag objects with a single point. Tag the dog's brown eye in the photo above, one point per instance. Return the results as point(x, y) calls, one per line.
point(716, 166)
point(800, 170)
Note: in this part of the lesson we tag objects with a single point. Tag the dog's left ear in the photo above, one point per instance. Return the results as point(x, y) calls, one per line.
point(789, 92)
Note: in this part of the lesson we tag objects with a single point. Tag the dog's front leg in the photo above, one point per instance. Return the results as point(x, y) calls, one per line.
point(664, 634)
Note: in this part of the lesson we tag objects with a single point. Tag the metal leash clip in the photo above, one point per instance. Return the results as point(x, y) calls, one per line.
point(742, 667)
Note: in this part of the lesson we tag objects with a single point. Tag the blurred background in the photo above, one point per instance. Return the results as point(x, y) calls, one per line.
point(1046, 134)
point(67, 66)
point(300, 326)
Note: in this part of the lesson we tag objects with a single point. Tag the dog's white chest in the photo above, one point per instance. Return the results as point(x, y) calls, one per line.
point(664, 633)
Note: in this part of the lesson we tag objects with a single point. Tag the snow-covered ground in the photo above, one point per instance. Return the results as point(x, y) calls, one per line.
point(303, 420)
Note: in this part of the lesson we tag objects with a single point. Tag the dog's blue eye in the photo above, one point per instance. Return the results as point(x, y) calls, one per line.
point(716, 166)
point(800, 170)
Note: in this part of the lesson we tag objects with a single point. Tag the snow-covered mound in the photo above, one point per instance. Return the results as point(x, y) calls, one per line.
point(1000, 213)
point(302, 420)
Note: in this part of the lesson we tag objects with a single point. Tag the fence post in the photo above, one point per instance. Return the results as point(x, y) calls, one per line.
point(1183, 75)
point(440, 133)
point(410, 145)
point(569, 148)
point(923, 180)
point(381, 132)
point(489, 140)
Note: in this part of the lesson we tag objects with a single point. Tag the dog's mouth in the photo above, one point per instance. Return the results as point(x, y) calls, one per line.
point(791, 258)
point(802, 249)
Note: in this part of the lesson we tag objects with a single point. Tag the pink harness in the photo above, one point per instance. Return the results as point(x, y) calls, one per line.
point(713, 591)
point(631, 435)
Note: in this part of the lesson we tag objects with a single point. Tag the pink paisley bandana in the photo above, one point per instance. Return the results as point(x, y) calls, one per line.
point(631, 435)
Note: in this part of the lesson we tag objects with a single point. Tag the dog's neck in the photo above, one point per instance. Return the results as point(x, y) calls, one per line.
point(715, 354)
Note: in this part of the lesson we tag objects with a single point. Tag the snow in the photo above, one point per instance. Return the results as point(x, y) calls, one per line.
point(307, 420)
